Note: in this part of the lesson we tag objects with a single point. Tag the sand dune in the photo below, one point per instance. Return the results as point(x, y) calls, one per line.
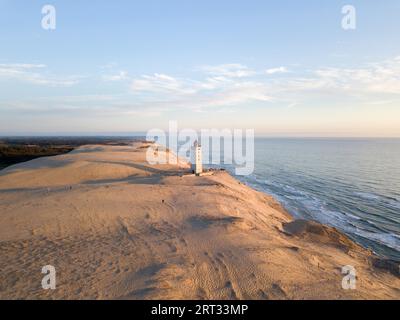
point(115, 227)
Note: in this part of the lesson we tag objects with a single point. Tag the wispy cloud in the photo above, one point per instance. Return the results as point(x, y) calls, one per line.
point(277, 70)
point(219, 88)
point(237, 85)
point(216, 89)
point(162, 83)
point(34, 74)
point(379, 77)
point(120, 76)
point(229, 70)
point(22, 66)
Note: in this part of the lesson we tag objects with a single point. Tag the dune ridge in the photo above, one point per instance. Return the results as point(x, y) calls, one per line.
point(115, 227)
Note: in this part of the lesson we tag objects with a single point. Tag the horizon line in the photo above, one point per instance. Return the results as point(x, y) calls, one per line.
point(143, 134)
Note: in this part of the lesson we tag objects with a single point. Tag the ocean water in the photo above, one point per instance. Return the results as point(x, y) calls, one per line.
point(350, 184)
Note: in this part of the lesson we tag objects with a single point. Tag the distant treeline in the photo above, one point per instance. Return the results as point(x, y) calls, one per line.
point(11, 154)
point(20, 149)
point(70, 141)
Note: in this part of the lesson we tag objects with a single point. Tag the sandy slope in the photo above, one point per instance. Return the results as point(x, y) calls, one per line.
point(115, 227)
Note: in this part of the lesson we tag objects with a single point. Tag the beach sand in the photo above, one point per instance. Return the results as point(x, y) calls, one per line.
point(115, 227)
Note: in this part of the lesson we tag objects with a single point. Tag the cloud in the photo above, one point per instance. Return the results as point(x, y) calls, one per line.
point(29, 73)
point(237, 85)
point(220, 88)
point(162, 83)
point(98, 104)
point(22, 66)
point(378, 81)
point(230, 70)
point(379, 77)
point(276, 70)
point(239, 94)
point(166, 92)
point(120, 76)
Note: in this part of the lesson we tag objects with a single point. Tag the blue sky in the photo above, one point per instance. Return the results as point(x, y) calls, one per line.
point(284, 68)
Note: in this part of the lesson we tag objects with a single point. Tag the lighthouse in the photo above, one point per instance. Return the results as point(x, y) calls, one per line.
point(197, 164)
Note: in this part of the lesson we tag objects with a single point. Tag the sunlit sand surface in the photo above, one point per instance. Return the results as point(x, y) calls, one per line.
point(115, 227)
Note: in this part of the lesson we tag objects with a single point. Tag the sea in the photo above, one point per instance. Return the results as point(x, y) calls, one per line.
point(350, 184)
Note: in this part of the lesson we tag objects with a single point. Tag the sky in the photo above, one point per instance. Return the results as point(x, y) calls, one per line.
point(282, 68)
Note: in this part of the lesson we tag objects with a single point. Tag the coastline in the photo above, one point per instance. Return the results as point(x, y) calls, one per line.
point(118, 228)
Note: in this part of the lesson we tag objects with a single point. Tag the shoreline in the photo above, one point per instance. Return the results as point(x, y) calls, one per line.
point(349, 235)
point(145, 232)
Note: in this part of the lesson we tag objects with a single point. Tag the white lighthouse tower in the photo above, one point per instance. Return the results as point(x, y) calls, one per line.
point(197, 162)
